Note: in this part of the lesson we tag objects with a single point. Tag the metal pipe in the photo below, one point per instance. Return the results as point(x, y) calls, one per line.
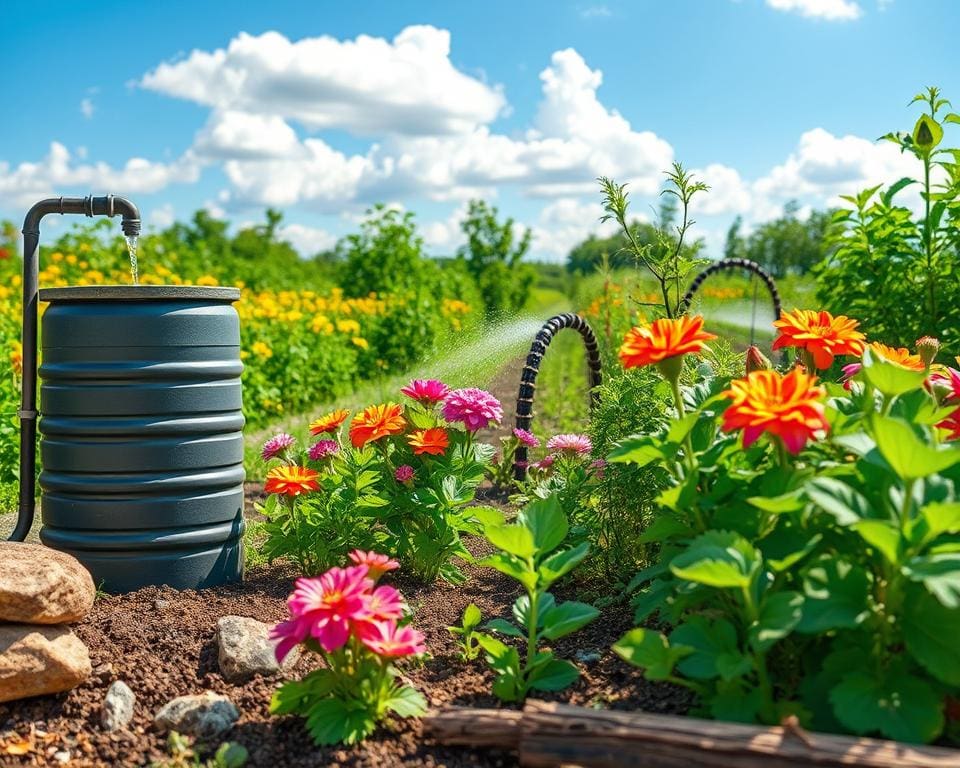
point(89, 206)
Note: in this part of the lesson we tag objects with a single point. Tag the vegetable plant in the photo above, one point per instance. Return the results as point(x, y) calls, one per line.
point(466, 632)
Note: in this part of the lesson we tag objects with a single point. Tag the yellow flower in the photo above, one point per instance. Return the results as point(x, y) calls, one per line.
point(71, 259)
point(56, 256)
point(261, 349)
point(360, 342)
point(207, 280)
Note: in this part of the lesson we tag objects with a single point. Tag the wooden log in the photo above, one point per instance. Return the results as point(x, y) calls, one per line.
point(549, 734)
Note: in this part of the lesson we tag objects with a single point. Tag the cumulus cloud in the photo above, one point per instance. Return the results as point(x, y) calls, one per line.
point(161, 216)
point(231, 134)
point(367, 86)
point(308, 241)
point(829, 10)
point(565, 222)
point(87, 108)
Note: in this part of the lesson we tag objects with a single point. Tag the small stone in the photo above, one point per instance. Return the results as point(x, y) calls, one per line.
point(206, 716)
point(587, 656)
point(39, 585)
point(246, 650)
point(159, 605)
point(102, 672)
point(62, 756)
point(117, 706)
point(35, 660)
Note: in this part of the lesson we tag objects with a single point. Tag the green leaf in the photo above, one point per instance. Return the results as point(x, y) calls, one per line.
point(546, 522)
point(663, 528)
point(838, 499)
point(940, 574)
point(332, 721)
point(512, 539)
point(406, 702)
point(651, 651)
point(562, 562)
point(567, 617)
point(883, 536)
point(504, 627)
point(906, 454)
point(231, 755)
point(889, 378)
point(788, 502)
point(931, 631)
point(927, 133)
point(471, 616)
point(511, 567)
point(836, 596)
point(486, 515)
point(718, 559)
point(787, 545)
point(641, 450)
point(556, 675)
point(715, 652)
point(779, 614)
point(735, 703)
point(521, 609)
point(936, 518)
point(898, 705)
point(680, 428)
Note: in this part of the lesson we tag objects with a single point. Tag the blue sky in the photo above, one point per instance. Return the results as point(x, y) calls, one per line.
point(320, 108)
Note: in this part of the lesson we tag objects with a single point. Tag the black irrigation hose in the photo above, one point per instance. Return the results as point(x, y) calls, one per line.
point(732, 265)
point(528, 379)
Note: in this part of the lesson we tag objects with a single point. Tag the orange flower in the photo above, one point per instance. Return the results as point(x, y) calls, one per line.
point(375, 422)
point(898, 355)
point(786, 406)
point(432, 441)
point(329, 423)
point(664, 338)
point(291, 480)
point(820, 335)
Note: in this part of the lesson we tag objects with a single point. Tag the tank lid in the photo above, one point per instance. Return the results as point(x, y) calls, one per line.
point(140, 293)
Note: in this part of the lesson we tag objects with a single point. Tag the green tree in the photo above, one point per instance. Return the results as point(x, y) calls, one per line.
point(788, 245)
point(385, 256)
point(493, 255)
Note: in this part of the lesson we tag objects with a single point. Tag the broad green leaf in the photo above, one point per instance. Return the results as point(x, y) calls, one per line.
point(652, 598)
point(735, 702)
point(927, 133)
point(664, 527)
point(936, 518)
point(641, 450)
point(556, 675)
point(562, 562)
point(521, 608)
point(513, 539)
point(231, 755)
point(651, 651)
point(899, 705)
point(931, 632)
point(940, 574)
point(511, 567)
point(889, 378)
point(546, 522)
point(882, 536)
point(504, 627)
point(567, 617)
point(332, 721)
point(779, 614)
point(471, 617)
point(715, 652)
point(838, 499)
point(908, 456)
point(718, 559)
point(406, 702)
point(486, 515)
point(680, 428)
point(788, 502)
point(787, 545)
point(836, 596)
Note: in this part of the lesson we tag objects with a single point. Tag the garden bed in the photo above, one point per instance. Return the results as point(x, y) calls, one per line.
point(162, 643)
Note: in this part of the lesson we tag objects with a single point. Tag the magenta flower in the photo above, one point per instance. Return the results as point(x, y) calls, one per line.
point(849, 371)
point(403, 473)
point(545, 463)
point(322, 449)
point(475, 408)
point(377, 564)
point(327, 605)
point(385, 603)
point(427, 391)
point(277, 445)
point(527, 438)
point(385, 638)
point(578, 445)
point(289, 634)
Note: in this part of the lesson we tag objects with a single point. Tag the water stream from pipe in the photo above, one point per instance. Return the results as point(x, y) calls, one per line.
point(132, 242)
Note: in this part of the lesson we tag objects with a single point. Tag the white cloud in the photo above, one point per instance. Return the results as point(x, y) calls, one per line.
point(308, 241)
point(231, 134)
point(161, 216)
point(445, 237)
point(564, 223)
point(87, 108)
point(728, 193)
point(367, 86)
point(830, 10)
point(595, 12)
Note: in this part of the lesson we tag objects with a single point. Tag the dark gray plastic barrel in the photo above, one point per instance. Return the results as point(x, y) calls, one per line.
point(142, 433)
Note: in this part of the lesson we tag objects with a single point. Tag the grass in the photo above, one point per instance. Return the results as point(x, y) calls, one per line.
point(562, 403)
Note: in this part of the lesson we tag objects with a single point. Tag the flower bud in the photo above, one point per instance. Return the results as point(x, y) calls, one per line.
point(927, 348)
point(756, 360)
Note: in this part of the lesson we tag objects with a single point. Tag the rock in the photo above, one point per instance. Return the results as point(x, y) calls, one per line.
point(39, 585)
point(206, 716)
point(102, 672)
point(35, 660)
point(117, 706)
point(245, 649)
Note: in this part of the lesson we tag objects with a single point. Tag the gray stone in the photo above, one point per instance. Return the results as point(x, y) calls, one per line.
point(117, 706)
point(39, 585)
point(35, 660)
point(246, 650)
point(206, 716)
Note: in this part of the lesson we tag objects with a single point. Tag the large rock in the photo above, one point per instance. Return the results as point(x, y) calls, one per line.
point(39, 585)
point(245, 649)
point(206, 716)
point(35, 660)
point(117, 706)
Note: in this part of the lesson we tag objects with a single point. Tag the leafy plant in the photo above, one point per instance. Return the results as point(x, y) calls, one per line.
point(182, 754)
point(469, 647)
point(528, 552)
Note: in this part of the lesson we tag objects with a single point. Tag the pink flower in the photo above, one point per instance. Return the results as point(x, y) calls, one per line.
point(385, 603)
point(849, 371)
point(403, 473)
point(521, 464)
point(330, 602)
point(322, 449)
point(385, 638)
point(289, 634)
point(377, 564)
point(575, 444)
point(952, 425)
point(545, 463)
point(527, 438)
point(277, 445)
point(426, 391)
point(475, 408)
point(948, 384)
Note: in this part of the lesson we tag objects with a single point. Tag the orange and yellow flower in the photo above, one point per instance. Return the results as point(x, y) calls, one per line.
point(329, 423)
point(662, 339)
point(375, 422)
point(433, 441)
point(820, 335)
point(898, 355)
point(789, 407)
point(291, 480)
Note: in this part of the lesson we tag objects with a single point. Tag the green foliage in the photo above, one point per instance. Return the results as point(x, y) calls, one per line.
point(528, 552)
point(466, 632)
point(843, 563)
point(895, 272)
point(182, 755)
point(493, 256)
point(785, 245)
